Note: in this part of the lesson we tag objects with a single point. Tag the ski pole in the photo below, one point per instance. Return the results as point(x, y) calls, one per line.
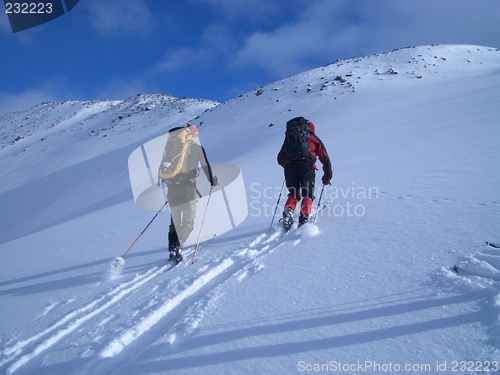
point(277, 204)
point(319, 202)
point(202, 222)
point(119, 261)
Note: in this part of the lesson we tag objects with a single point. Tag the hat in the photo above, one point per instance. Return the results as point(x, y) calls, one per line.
point(193, 129)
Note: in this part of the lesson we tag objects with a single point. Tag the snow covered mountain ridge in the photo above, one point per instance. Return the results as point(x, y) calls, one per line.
point(94, 118)
point(409, 283)
point(339, 76)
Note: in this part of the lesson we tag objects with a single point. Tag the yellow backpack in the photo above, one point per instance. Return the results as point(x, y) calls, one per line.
point(174, 161)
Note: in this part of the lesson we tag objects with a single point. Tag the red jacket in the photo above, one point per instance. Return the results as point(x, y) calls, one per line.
point(317, 150)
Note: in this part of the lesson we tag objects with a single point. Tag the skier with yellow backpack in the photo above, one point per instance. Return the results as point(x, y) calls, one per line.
point(178, 170)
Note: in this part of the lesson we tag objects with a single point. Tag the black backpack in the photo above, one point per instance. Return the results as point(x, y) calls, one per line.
point(296, 140)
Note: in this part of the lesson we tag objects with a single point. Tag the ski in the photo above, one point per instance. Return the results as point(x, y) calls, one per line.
point(169, 264)
point(172, 264)
point(493, 245)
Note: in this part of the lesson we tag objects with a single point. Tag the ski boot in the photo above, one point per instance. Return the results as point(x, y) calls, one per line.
point(178, 256)
point(303, 220)
point(175, 254)
point(174, 247)
point(287, 219)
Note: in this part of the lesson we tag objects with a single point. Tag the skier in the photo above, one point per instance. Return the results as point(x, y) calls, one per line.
point(298, 158)
point(178, 170)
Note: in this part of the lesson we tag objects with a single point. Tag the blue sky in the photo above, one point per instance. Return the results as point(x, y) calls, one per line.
point(216, 49)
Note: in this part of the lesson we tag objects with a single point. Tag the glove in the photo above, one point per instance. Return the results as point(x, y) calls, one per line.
point(215, 181)
point(325, 181)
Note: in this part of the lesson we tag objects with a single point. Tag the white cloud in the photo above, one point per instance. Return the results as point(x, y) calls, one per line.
point(177, 59)
point(321, 30)
point(120, 89)
point(56, 89)
point(250, 9)
point(25, 100)
point(218, 39)
point(114, 18)
point(215, 44)
point(327, 30)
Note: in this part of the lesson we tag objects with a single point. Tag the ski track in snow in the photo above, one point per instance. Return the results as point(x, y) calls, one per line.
point(73, 320)
point(207, 280)
point(130, 335)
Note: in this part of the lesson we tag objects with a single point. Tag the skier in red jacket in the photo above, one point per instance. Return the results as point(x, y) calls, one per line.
point(298, 157)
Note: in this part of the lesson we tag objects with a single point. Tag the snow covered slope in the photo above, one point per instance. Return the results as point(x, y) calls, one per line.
point(413, 136)
point(62, 160)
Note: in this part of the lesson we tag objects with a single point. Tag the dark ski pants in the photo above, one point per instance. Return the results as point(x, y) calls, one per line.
point(300, 180)
point(182, 203)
